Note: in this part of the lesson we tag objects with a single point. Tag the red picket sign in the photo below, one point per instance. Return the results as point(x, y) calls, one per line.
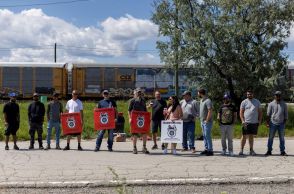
point(71, 123)
point(104, 118)
point(140, 122)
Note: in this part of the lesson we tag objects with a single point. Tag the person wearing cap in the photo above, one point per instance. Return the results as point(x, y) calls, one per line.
point(157, 105)
point(54, 110)
point(251, 117)
point(11, 119)
point(106, 103)
point(190, 112)
point(206, 122)
point(72, 106)
point(36, 113)
point(277, 115)
point(138, 104)
point(227, 116)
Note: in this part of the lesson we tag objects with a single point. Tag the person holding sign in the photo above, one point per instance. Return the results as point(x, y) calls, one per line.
point(105, 103)
point(174, 112)
point(36, 113)
point(138, 104)
point(72, 106)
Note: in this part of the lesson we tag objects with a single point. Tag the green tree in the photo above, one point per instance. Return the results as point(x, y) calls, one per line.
point(233, 43)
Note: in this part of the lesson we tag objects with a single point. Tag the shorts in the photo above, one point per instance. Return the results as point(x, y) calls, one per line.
point(250, 129)
point(11, 129)
point(155, 126)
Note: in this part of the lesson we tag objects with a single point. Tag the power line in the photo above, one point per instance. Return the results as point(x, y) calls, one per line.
point(42, 4)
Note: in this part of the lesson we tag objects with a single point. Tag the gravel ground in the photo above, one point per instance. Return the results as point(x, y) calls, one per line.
point(214, 188)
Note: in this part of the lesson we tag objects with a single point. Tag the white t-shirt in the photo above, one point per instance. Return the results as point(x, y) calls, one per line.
point(74, 106)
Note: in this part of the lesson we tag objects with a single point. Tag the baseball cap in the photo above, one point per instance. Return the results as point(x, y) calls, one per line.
point(138, 90)
point(186, 93)
point(36, 94)
point(277, 93)
point(55, 94)
point(227, 96)
point(105, 92)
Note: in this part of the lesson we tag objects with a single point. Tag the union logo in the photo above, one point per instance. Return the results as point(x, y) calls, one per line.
point(104, 118)
point(172, 131)
point(71, 122)
point(140, 121)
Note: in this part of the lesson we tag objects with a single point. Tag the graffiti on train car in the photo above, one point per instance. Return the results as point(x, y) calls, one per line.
point(122, 92)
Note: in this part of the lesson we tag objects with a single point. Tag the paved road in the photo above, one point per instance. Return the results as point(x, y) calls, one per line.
point(86, 168)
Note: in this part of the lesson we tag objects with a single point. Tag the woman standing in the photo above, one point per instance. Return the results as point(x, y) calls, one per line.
point(174, 112)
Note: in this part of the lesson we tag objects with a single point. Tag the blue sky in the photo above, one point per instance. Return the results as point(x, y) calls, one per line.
point(119, 28)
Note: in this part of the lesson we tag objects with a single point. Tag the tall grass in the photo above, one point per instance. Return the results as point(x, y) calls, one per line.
point(89, 132)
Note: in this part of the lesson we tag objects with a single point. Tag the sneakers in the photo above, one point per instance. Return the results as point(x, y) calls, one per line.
point(48, 147)
point(135, 151)
point(209, 153)
point(80, 148)
point(284, 154)
point(223, 153)
point(110, 149)
point(184, 150)
point(165, 151)
point(268, 153)
point(6, 147)
point(15, 147)
point(241, 153)
point(252, 153)
point(66, 148)
point(155, 147)
point(31, 147)
point(145, 151)
point(96, 149)
point(174, 152)
point(193, 150)
point(58, 147)
point(231, 154)
point(162, 146)
point(204, 152)
point(41, 147)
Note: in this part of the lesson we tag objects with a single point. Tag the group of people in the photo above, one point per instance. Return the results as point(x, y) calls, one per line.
point(186, 110)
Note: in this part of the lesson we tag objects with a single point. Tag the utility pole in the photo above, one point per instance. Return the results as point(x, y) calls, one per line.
point(55, 52)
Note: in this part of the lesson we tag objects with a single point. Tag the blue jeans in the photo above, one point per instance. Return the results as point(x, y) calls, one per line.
point(100, 137)
point(188, 135)
point(50, 125)
point(206, 131)
point(281, 130)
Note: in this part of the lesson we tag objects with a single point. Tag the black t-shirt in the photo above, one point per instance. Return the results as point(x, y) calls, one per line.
point(157, 109)
point(227, 114)
point(11, 109)
point(137, 104)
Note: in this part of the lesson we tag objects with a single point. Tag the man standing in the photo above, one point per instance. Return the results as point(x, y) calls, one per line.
point(277, 115)
point(72, 106)
point(190, 112)
point(11, 119)
point(106, 103)
point(251, 116)
point(53, 116)
point(206, 122)
point(36, 113)
point(138, 104)
point(227, 116)
point(157, 105)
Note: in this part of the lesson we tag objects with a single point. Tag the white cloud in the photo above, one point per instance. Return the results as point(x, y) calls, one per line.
point(113, 37)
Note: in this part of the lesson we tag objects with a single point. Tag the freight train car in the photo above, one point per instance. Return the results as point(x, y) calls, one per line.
point(122, 79)
point(26, 78)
